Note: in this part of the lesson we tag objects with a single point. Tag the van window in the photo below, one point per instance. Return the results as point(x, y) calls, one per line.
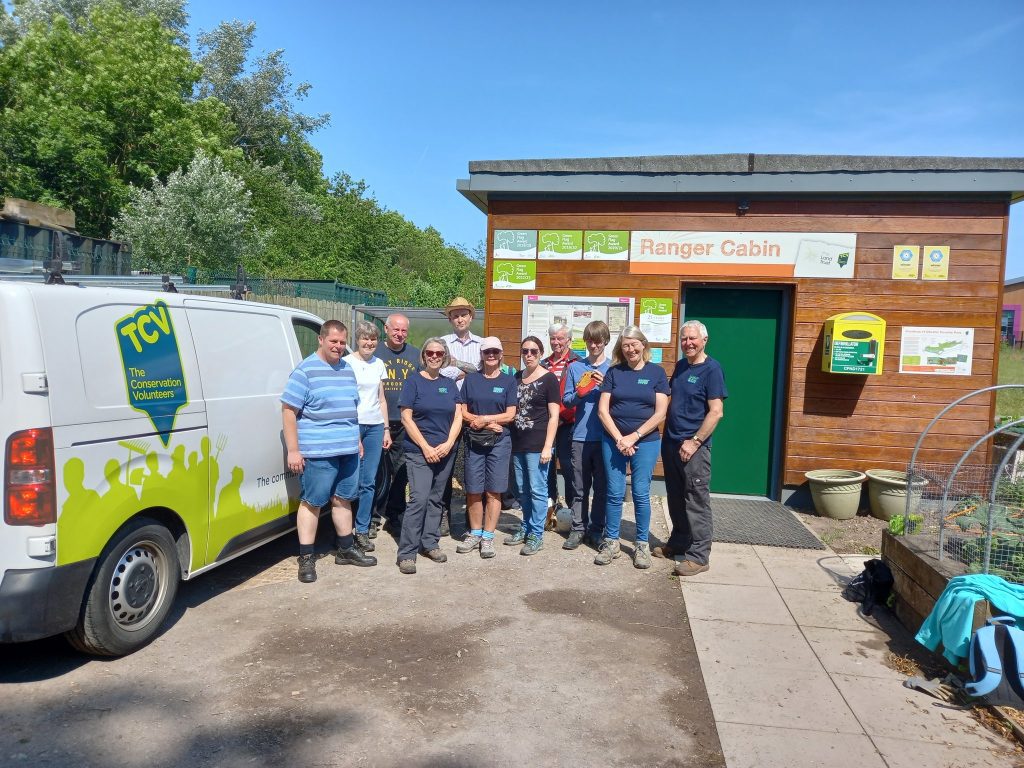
point(308, 336)
point(241, 354)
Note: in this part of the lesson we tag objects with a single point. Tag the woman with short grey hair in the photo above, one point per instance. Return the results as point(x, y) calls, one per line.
point(374, 434)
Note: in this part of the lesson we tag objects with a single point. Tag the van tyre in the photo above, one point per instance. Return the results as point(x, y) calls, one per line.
point(131, 591)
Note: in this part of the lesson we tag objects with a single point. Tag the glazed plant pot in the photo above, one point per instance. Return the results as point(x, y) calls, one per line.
point(836, 492)
point(887, 491)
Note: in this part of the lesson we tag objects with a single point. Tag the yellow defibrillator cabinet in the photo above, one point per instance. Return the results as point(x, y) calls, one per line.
point(854, 343)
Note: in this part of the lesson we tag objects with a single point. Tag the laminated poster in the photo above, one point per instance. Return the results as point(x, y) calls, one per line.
point(560, 244)
point(515, 244)
point(937, 351)
point(606, 245)
point(656, 320)
point(906, 261)
point(936, 262)
point(514, 275)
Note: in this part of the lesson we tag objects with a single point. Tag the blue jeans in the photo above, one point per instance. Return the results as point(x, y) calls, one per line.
point(641, 464)
point(372, 436)
point(333, 476)
point(532, 479)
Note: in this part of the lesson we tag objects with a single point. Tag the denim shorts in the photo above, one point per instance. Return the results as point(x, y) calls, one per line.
point(487, 468)
point(333, 476)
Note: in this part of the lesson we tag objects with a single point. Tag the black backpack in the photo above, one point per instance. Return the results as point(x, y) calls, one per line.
point(872, 587)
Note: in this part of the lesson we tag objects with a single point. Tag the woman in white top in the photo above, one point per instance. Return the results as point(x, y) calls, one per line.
point(373, 423)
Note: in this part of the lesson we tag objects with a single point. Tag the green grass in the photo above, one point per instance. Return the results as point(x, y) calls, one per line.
point(1010, 403)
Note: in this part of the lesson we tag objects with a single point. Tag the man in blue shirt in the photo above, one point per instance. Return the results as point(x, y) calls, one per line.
point(698, 393)
point(321, 432)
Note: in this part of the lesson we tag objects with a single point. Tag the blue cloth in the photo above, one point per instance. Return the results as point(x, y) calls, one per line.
point(692, 386)
point(327, 400)
point(328, 477)
point(641, 465)
point(433, 403)
point(633, 396)
point(489, 397)
point(587, 427)
point(952, 618)
point(487, 468)
point(373, 447)
point(531, 477)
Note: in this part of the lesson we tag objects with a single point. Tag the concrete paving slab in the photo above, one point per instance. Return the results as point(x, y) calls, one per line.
point(887, 709)
point(825, 609)
point(730, 602)
point(755, 746)
point(841, 651)
point(823, 572)
point(746, 643)
point(734, 564)
point(782, 698)
point(901, 753)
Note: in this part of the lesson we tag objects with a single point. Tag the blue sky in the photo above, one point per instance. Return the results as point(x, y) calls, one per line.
point(418, 89)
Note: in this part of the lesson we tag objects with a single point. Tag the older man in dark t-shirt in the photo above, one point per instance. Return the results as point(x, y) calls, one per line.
point(401, 360)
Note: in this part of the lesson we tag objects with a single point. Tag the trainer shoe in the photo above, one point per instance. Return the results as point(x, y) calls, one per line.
point(609, 551)
point(665, 551)
point(307, 568)
point(487, 548)
point(407, 566)
point(573, 540)
point(468, 544)
point(363, 542)
point(516, 538)
point(354, 556)
point(436, 555)
point(642, 555)
point(690, 568)
point(533, 545)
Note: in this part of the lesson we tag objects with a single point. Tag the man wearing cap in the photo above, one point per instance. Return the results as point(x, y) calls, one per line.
point(464, 349)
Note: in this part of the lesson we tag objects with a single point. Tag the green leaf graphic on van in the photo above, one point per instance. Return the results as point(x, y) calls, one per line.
point(153, 373)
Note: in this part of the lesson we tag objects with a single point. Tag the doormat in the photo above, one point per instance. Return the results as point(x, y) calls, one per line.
point(759, 521)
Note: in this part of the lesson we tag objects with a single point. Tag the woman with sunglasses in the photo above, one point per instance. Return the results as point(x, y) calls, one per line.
point(432, 419)
point(633, 404)
point(533, 438)
point(489, 398)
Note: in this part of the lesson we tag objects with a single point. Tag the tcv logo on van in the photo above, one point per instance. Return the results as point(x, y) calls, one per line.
point(153, 373)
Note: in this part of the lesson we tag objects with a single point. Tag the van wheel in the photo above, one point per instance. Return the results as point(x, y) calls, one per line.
point(130, 592)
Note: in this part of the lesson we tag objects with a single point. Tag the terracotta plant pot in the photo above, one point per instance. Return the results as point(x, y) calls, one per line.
point(887, 491)
point(836, 492)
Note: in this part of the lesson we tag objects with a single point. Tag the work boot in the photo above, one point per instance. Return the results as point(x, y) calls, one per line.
point(690, 568)
point(609, 551)
point(354, 556)
point(407, 566)
point(533, 545)
point(363, 542)
point(468, 544)
point(642, 555)
point(594, 539)
point(446, 528)
point(487, 548)
point(665, 551)
point(573, 540)
point(436, 555)
point(307, 568)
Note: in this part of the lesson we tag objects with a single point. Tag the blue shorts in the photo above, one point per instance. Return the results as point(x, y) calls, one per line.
point(333, 476)
point(487, 468)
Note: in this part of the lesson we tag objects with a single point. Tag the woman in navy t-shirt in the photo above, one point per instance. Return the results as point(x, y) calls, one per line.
point(634, 400)
point(430, 414)
point(489, 401)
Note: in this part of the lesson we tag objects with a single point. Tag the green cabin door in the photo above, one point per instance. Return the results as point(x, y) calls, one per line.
point(745, 329)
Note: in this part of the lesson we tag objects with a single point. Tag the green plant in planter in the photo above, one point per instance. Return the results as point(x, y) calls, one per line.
point(896, 525)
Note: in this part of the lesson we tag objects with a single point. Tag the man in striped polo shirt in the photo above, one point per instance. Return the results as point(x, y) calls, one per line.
point(321, 433)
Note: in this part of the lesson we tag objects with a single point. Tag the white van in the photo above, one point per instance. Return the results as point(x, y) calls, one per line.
point(142, 445)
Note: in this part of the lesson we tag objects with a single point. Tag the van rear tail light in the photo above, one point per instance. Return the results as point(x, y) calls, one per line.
point(30, 486)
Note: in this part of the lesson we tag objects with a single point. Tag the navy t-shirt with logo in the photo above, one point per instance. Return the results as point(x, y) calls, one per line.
point(633, 395)
point(692, 386)
point(489, 397)
point(433, 403)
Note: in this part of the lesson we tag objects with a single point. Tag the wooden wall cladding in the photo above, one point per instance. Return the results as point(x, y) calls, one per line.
point(832, 421)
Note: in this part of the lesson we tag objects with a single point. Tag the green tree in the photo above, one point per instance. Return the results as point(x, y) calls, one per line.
point(200, 218)
point(171, 13)
point(84, 115)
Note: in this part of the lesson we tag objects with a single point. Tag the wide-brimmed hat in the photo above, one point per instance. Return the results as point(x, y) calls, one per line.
point(491, 342)
point(459, 302)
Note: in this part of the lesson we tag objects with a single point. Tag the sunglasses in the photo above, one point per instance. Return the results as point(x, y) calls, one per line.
point(491, 352)
point(431, 353)
point(529, 351)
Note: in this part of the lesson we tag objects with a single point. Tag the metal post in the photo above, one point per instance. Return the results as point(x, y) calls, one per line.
point(992, 497)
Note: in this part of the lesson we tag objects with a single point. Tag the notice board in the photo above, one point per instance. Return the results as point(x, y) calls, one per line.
point(540, 312)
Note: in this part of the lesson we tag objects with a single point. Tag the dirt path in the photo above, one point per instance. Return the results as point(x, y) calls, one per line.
point(547, 660)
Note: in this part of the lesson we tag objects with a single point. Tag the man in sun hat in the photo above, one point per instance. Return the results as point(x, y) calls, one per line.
point(464, 349)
